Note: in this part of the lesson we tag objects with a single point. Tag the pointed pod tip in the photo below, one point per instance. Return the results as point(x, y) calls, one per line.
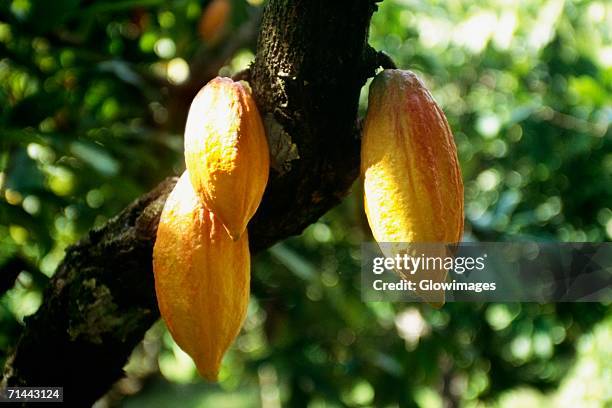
point(437, 304)
point(210, 375)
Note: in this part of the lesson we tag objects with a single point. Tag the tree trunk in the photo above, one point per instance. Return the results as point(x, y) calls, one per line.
point(312, 59)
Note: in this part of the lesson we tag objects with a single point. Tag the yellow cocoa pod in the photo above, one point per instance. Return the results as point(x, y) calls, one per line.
point(413, 190)
point(226, 152)
point(201, 278)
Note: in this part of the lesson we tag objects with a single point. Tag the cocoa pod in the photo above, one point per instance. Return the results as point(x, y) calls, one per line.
point(226, 152)
point(214, 20)
point(201, 278)
point(413, 190)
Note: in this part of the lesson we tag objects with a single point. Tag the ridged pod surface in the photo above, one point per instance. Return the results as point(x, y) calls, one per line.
point(413, 190)
point(201, 278)
point(226, 152)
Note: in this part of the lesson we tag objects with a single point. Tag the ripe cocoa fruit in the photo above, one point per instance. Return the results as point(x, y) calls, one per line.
point(413, 190)
point(226, 152)
point(214, 19)
point(201, 278)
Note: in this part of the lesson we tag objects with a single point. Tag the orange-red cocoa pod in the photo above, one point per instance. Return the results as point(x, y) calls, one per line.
point(201, 278)
point(214, 20)
point(413, 190)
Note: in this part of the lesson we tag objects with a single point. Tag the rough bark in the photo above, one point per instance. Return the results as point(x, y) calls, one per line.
point(312, 60)
point(97, 307)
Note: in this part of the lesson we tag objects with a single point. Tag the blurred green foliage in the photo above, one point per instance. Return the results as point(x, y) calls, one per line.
point(93, 98)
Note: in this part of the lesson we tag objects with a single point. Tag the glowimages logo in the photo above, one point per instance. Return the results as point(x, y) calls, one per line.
point(524, 271)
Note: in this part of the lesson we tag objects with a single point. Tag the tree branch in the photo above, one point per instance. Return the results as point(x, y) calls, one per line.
point(312, 60)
